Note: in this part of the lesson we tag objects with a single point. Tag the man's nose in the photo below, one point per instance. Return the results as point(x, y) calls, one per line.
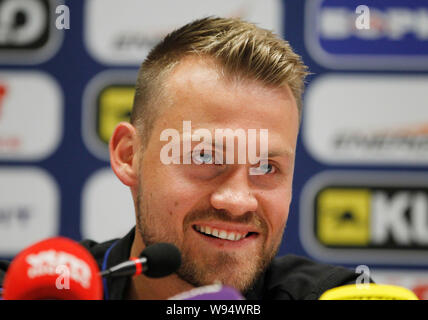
point(235, 195)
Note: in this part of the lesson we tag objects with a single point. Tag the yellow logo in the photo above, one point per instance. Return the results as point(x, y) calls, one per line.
point(343, 217)
point(114, 106)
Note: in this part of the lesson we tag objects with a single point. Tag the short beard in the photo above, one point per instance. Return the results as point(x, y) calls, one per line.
point(194, 275)
point(189, 270)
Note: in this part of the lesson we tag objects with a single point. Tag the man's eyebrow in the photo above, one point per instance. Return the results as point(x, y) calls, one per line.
point(280, 153)
point(271, 153)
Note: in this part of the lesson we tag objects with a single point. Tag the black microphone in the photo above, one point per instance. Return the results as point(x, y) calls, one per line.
point(156, 261)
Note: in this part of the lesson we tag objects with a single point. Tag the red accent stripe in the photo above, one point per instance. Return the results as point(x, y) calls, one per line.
point(138, 267)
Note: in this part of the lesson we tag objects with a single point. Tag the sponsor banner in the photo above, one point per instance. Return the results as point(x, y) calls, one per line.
point(27, 31)
point(107, 100)
point(107, 207)
point(367, 119)
point(139, 25)
point(366, 217)
point(391, 34)
point(417, 281)
point(29, 208)
point(31, 115)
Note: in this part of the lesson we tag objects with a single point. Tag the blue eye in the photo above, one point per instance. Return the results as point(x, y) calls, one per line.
point(266, 168)
point(263, 169)
point(203, 158)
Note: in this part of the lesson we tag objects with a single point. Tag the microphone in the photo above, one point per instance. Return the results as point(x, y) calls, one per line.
point(210, 292)
point(369, 291)
point(156, 261)
point(55, 269)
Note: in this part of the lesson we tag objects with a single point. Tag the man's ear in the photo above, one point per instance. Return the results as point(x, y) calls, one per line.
point(123, 149)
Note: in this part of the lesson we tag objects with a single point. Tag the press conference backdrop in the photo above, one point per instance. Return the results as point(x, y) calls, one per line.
point(361, 181)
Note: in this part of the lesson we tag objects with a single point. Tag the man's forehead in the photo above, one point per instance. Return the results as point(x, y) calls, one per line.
point(197, 92)
point(193, 69)
point(195, 73)
point(202, 81)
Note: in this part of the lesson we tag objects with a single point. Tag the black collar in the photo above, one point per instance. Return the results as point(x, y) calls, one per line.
point(119, 251)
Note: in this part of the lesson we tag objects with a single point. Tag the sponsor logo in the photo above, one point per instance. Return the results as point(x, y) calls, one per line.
point(31, 107)
point(3, 91)
point(106, 199)
point(416, 281)
point(45, 263)
point(396, 38)
point(108, 100)
point(139, 25)
point(342, 217)
point(27, 31)
point(15, 214)
point(29, 208)
point(361, 119)
point(361, 216)
point(114, 105)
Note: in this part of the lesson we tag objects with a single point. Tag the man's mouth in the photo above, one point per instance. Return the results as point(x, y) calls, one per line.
point(222, 234)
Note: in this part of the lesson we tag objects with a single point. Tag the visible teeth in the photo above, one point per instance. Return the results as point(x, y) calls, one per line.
point(222, 234)
point(231, 236)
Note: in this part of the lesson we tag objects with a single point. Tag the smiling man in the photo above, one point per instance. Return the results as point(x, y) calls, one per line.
point(227, 219)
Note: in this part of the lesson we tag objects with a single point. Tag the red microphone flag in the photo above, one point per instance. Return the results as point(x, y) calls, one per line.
point(56, 268)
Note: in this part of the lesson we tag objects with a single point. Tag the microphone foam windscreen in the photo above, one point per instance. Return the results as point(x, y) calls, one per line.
point(56, 269)
point(162, 259)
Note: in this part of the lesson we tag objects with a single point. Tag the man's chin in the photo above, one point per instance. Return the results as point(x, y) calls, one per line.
point(238, 275)
point(238, 284)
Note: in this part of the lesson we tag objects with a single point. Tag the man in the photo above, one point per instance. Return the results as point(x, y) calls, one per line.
point(226, 217)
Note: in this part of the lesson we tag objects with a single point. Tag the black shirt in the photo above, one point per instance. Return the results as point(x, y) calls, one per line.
point(288, 278)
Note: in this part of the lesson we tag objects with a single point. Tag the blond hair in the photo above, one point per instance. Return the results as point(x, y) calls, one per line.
point(240, 47)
